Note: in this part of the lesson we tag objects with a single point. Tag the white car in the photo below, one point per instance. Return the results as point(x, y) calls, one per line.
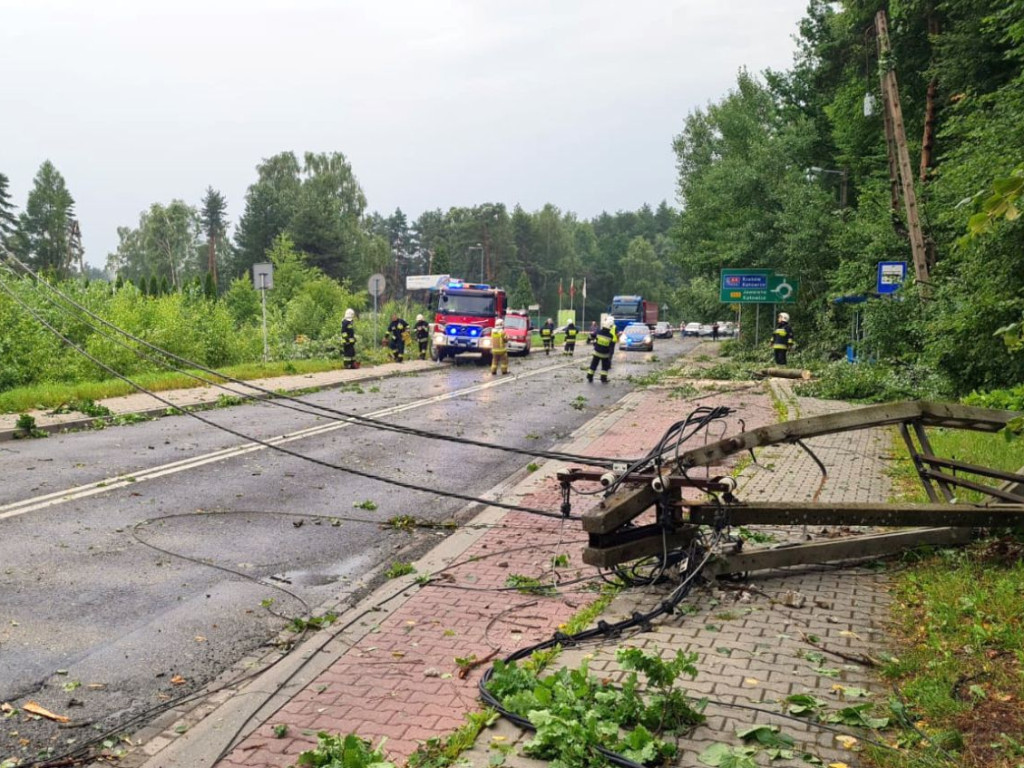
point(692, 329)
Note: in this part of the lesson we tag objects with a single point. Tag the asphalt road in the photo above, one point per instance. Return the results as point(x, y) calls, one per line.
point(139, 562)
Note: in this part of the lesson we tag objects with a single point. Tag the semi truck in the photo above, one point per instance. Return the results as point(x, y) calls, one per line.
point(464, 319)
point(633, 309)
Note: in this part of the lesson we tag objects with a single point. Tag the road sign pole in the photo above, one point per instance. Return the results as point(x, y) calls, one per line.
point(263, 293)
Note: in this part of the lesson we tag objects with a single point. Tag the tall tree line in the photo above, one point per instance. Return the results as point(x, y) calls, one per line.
point(790, 171)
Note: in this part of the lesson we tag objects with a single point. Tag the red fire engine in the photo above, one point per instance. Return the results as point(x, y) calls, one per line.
point(465, 317)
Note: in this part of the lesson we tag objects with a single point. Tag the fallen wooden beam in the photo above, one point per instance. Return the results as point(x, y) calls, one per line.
point(655, 543)
point(786, 373)
point(855, 513)
point(834, 550)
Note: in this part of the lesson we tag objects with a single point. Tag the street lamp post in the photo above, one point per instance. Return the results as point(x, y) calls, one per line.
point(842, 181)
point(480, 248)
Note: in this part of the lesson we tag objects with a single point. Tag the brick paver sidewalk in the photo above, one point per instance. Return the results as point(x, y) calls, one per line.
point(411, 673)
point(753, 649)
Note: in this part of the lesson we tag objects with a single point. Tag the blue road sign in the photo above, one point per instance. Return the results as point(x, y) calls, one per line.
point(891, 276)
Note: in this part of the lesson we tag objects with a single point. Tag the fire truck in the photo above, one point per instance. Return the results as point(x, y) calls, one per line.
point(464, 319)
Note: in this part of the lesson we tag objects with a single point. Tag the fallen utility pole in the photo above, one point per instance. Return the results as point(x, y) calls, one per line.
point(622, 528)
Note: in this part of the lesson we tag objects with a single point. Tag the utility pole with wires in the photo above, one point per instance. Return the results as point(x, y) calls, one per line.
point(896, 138)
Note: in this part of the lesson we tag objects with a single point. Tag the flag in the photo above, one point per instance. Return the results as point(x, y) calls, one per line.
point(584, 288)
point(572, 286)
point(560, 291)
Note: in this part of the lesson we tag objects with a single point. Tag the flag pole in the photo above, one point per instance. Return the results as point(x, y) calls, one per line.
point(583, 318)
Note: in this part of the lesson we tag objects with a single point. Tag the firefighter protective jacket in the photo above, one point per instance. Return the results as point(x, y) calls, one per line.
point(604, 343)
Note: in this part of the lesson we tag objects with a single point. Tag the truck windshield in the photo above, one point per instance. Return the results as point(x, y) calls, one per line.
point(478, 305)
point(625, 308)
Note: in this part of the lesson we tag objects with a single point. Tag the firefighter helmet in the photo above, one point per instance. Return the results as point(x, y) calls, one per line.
point(350, 314)
point(418, 318)
point(608, 322)
point(784, 317)
point(499, 323)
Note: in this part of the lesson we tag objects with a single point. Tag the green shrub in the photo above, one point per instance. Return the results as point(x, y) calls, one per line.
point(876, 383)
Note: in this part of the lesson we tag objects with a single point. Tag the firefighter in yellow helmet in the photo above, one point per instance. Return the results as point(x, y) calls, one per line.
point(782, 339)
point(499, 347)
point(348, 339)
point(604, 345)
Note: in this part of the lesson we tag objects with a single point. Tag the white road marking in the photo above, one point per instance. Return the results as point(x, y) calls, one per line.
point(36, 503)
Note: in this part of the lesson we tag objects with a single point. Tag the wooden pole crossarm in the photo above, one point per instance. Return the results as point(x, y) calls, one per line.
point(969, 484)
point(926, 412)
point(972, 469)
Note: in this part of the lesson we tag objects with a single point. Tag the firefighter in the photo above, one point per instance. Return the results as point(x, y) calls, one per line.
point(604, 345)
point(782, 339)
point(570, 339)
point(396, 337)
point(348, 339)
point(547, 335)
point(499, 347)
point(421, 332)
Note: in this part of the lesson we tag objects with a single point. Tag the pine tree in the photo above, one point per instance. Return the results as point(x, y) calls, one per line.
point(45, 224)
point(8, 221)
point(212, 217)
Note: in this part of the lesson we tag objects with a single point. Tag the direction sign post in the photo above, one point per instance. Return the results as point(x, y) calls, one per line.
point(756, 286)
point(375, 285)
point(263, 277)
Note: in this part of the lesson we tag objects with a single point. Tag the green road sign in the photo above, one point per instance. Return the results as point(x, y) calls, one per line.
point(756, 286)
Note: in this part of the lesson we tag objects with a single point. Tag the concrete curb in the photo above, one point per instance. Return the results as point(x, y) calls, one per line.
point(160, 404)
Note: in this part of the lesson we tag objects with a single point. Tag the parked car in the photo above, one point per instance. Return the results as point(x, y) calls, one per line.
point(662, 331)
point(692, 329)
point(636, 336)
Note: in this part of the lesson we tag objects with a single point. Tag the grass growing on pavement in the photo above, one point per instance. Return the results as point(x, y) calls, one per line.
point(958, 630)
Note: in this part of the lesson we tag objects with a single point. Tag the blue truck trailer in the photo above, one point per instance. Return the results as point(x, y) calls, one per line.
point(633, 309)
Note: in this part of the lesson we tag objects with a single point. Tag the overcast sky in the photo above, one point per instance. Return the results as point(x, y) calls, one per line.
point(435, 104)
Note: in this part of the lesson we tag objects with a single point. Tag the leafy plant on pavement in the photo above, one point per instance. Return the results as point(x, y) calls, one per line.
point(440, 752)
point(576, 715)
point(399, 569)
point(26, 427)
point(528, 585)
point(400, 523)
point(84, 405)
point(300, 624)
point(349, 751)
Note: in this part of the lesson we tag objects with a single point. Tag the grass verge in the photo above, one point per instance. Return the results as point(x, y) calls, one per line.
point(958, 635)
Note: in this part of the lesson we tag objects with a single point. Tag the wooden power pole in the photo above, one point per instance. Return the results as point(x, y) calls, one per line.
point(898, 145)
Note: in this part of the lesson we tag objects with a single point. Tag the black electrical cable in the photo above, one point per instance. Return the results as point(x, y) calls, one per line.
point(699, 419)
point(603, 629)
point(278, 448)
point(273, 397)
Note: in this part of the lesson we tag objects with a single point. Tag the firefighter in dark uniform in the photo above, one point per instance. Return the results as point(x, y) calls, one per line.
point(348, 339)
point(604, 345)
point(570, 339)
point(396, 337)
point(782, 339)
point(547, 335)
point(421, 332)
